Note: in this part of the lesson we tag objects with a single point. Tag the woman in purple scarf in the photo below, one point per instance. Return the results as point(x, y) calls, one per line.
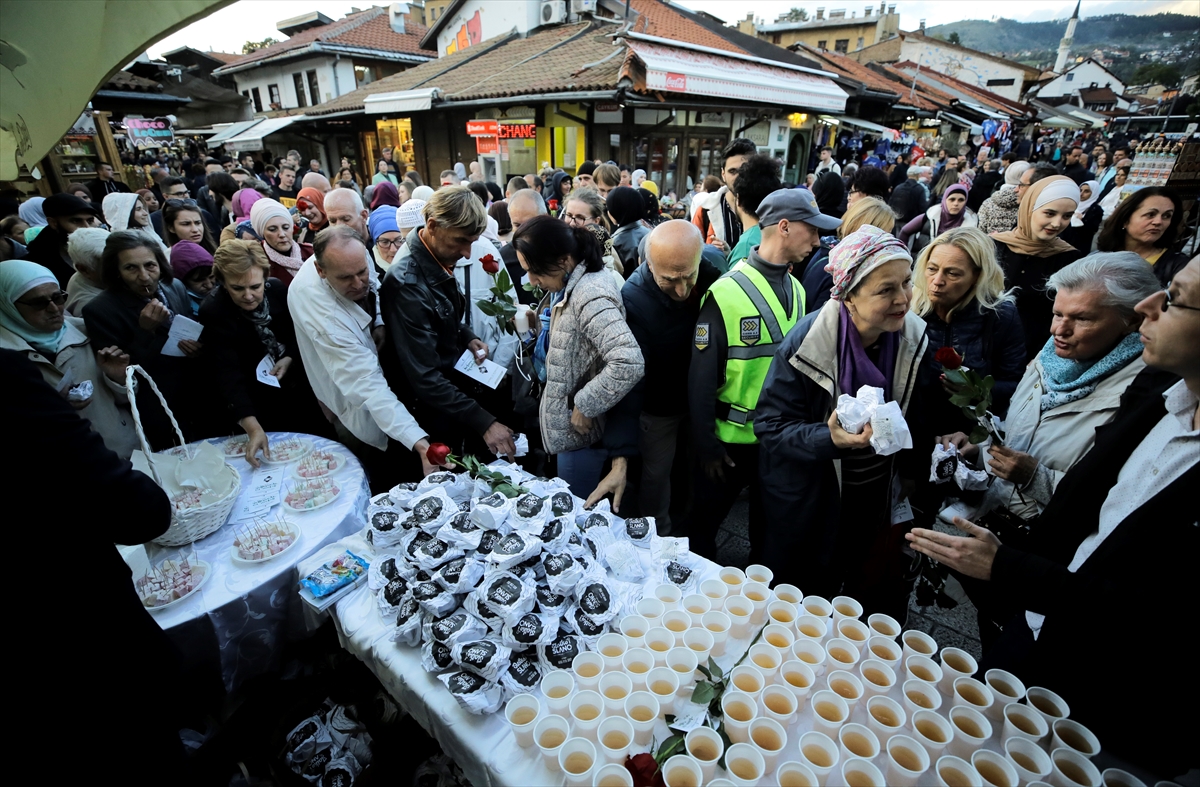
point(950, 214)
point(828, 496)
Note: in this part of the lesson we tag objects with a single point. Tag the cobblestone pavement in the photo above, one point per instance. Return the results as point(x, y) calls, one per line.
point(955, 627)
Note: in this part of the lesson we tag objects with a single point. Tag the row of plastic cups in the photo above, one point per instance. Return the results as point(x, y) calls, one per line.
point(583, 762)
point(535, 723)
point(651, 616)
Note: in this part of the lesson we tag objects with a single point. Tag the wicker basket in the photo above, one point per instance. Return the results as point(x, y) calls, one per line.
point(191, 524)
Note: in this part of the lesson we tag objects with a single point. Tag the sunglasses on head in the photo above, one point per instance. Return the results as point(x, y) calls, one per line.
point(182, 203)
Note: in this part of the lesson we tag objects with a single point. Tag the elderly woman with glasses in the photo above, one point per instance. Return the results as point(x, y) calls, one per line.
point(34, 322)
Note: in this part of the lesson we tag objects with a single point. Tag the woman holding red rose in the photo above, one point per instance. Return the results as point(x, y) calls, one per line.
point(958, 289)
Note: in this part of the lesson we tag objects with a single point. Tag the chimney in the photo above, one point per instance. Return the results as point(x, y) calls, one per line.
point(867, 13)
point(882, 8)
point(891, 9)
point(820, 14)
point(837, 13)
point(396, 14)
point(921, 30)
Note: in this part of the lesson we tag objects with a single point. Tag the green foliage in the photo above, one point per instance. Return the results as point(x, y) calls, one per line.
point(1157, 74)
point(975, 398)
point(1119, 31)
point(496, 480)
point(794, 15)
point(954, 39)
point(254, 46)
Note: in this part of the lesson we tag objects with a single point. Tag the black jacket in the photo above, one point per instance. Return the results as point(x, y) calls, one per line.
point(232, 352)
point(99, 189)
point(982, 188)
point(899, 175)
point(508, 254)
point(1034, 304)
point(1169, 265)
point(1081, 237)
point(423, 311)
point(112, 319)
point(1076, 172)
point(46, 249)
point(1143, 571)
point(991, 342)
point(120, 505)
point(908, 200)
point(664, 329)
point(626, 241)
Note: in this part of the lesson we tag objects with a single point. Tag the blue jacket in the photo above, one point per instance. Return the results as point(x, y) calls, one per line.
point(990, 343)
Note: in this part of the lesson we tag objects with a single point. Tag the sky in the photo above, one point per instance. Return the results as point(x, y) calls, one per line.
point(253, 20)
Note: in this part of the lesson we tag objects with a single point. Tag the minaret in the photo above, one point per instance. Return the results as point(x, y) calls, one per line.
point(1064, 46)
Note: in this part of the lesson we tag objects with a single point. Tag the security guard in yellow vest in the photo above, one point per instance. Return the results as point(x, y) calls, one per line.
point(744, 317)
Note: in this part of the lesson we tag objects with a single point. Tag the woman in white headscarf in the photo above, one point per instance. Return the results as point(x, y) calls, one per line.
point(636, 177)
point(274, 224)
point(126, 211)
point(1033, 251)
point(1087, 219)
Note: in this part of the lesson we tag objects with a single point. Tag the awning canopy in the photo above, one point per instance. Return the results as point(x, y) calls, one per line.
point(708, 74)
point(400, 101)
point(866, 125)
point(252, 138)
point(52, 69)
point(232, 130)
point(957, 120)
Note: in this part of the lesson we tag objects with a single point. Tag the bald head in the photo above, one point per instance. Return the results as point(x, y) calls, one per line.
point(343, 207)
point(315, 180)
point(673, 256)
point(523, 205)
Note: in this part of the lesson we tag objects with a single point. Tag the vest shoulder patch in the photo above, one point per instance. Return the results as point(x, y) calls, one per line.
point(703, 335)
point(750, 329)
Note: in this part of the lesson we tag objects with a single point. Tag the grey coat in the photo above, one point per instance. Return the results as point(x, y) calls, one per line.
point(592, 362)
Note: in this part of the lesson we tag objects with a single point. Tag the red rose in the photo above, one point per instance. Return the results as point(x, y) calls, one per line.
point(437, 453)
point(490, 265)
point(948, 357)
point(552, 204)
point(644, 770)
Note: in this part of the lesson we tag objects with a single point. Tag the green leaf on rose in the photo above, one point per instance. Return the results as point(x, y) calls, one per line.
point(703, 693)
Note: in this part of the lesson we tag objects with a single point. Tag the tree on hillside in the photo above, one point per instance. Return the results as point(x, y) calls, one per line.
point(794, 15)
point(1157, 74)
point(252, 46)
point(954, 39)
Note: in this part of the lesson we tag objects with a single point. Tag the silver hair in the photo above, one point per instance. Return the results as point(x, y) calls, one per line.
point(350, 194)
point(1125, 277)
point(531, 196)
point(86, 248)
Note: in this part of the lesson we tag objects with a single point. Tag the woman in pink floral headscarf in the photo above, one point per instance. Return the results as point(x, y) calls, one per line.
point(827, 495)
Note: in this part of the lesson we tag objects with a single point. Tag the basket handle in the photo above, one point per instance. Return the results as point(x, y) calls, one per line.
point(130, 385)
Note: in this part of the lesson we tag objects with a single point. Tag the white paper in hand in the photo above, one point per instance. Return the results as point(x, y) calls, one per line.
point(263, 372)
point(182, 328)
point(889, 430)
point(489, 373)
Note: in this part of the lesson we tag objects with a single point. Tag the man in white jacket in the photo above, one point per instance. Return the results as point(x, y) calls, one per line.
point(333, 304)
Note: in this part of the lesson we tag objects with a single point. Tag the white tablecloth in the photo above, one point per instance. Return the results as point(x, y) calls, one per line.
point(242, 611)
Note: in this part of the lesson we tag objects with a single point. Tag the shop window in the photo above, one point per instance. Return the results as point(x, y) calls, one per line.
point(256, 97)
point(860, 42)
point(298, 83)
point(841, 45)
point(314, 89)
point(821, 44)
point(273, 92)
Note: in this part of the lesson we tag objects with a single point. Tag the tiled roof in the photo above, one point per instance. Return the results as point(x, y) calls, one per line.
point(1100, 94)
point(852, 69)
point(369, 29)
point(547, 61)
point(224, 57)
point(983, 96)
point(666, 22)
point(123, 80)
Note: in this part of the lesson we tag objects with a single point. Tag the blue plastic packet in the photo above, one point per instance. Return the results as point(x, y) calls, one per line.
point(343, 570)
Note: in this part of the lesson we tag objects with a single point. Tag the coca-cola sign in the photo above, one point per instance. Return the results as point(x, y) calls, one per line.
point(676, 81)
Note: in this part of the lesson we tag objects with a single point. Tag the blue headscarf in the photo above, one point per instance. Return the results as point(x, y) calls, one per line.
point(18, 277)
point(381, 220)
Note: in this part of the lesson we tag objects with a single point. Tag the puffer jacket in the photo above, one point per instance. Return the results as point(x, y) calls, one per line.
point(998, 213)
point(593, 360)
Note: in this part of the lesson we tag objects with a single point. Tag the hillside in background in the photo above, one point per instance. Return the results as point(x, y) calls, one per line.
point(1114, 30)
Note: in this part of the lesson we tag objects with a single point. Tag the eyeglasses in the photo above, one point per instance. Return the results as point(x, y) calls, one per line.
point(182, 203)
point(1168, 302)
point(43, 303)
point(390, 244)
point(575, 218)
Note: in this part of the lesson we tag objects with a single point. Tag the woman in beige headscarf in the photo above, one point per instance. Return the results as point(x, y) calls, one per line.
point(1032, 252)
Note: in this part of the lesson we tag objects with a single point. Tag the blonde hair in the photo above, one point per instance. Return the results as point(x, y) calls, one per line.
point(981, 251)
point(607, 174)
point(458, 207)
point(868, 210)
point(238, 257)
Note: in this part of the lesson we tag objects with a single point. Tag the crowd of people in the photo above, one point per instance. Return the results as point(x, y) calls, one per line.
point(672, 365)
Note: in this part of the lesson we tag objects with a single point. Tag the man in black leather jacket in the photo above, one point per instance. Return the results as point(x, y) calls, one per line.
point(423, 313)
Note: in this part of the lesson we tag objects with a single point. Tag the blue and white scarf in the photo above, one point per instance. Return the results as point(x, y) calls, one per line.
point(1067, 380)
